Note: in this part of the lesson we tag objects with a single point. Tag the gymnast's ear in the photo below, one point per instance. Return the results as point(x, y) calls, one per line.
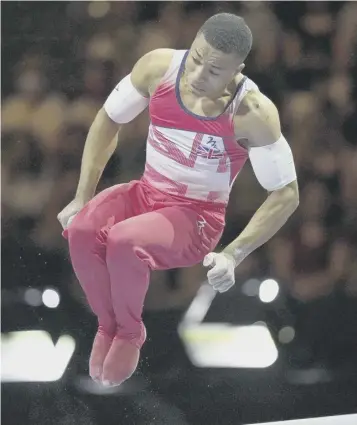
point(240, 68)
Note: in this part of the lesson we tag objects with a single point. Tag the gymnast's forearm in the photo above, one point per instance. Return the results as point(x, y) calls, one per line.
point(270, 217)
point(99, 147)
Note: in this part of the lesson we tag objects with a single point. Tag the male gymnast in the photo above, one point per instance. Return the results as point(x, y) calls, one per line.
point(206, 120)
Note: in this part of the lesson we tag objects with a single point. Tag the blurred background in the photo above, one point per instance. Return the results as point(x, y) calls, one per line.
point(283, 343)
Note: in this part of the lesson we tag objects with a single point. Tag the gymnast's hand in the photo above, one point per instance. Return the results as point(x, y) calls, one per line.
point(221, 276)
point(69, 212)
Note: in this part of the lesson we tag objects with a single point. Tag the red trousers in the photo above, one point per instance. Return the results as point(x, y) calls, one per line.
point(125, 232)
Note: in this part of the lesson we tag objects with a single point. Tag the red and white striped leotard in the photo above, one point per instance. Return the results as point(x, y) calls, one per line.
point(188, 155)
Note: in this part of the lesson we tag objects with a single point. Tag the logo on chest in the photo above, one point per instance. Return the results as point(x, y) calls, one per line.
point(210, 148)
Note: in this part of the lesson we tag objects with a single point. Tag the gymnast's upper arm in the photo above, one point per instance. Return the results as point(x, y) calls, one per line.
point(271, 157)
point(131, 95)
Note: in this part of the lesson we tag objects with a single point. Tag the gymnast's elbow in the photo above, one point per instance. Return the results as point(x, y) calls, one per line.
point(289, 196)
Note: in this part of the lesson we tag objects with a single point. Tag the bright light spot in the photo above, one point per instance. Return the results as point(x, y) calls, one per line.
point(286, 334)
point(268, 290)
point(326, 420)
point(251, 287)
point(98, 9)
point(51, 298)
point(31, 356)
point(223, 345)
point(33, 297)
point(260, 323)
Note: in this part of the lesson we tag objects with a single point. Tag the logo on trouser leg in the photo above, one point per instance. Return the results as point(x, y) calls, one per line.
point(201, 225)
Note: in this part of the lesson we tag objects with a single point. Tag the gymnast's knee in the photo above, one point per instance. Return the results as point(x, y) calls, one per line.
point(124, 243)
point(81, 233)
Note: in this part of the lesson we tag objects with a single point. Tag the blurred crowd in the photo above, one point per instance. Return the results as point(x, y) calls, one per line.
point(63, 58)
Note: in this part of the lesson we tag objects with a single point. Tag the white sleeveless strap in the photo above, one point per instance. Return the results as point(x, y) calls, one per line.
point(247, 86)
point(172, 70)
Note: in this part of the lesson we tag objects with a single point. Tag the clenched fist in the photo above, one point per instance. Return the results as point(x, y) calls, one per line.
point(221, 276)
point(68, 213)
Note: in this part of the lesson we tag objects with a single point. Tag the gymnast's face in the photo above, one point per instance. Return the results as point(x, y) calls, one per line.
point(209, 71)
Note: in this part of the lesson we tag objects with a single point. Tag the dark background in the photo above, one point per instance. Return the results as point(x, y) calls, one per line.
point(59, 62)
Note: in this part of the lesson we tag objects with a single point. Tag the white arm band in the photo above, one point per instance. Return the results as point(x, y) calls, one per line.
point(125, 103)
point(273, 164)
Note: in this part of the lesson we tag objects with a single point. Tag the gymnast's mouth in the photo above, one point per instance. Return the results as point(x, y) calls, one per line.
point(197, 88)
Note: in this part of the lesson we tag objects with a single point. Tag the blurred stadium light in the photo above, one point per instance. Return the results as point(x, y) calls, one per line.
point(223, 344)
point(50, 298)
point(268, 290)
point(31, 356)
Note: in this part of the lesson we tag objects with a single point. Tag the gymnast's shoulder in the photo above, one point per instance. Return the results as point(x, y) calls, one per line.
point(150, 68)
point(257, 119)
